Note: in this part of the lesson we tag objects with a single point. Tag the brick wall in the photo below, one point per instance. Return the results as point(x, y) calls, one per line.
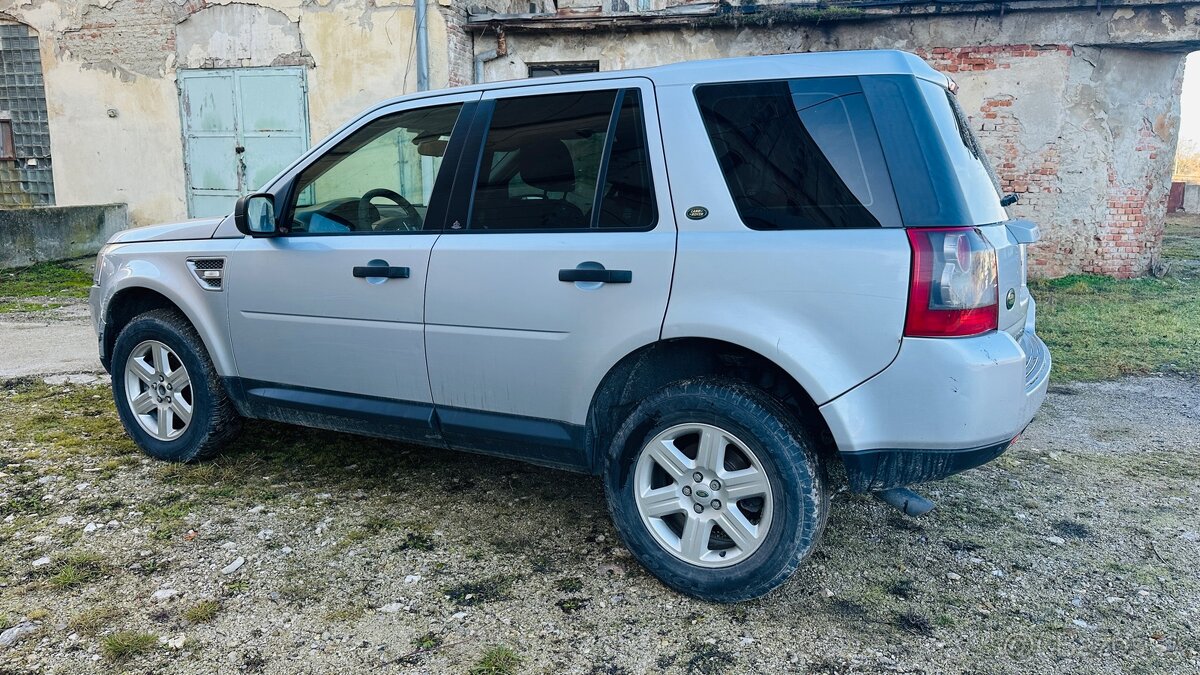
point(1114, 234)
point(460, 47)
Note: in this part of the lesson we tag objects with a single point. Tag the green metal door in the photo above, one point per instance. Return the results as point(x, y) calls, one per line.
point(241, 126)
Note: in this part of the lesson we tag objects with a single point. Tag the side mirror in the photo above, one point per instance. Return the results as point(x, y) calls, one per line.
point(255, 215)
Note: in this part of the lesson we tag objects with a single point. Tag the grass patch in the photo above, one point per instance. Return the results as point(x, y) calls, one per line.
point(1100, 328)
point(479, 592)
point(78, 569)
point(499, 660)
point(56, 280)
point(21, 306)
point(202, 612)
point(127, 644)
point(90, 622)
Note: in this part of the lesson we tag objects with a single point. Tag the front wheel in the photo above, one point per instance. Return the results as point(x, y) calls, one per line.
point(716, 489)
point(168, 395)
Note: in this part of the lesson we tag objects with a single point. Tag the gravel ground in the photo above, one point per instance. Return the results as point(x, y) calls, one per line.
point(308, 552)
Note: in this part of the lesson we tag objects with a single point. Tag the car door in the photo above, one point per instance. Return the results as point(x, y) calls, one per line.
point(555, 263)
point(328, 316)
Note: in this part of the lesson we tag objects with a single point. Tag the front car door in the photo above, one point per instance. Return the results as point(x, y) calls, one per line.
point(555, 263)
point(328, 316)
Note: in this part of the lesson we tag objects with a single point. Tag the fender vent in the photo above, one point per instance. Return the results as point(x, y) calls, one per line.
point(208, 272)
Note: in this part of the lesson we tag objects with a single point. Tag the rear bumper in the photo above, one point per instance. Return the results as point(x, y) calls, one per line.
point(943, 406)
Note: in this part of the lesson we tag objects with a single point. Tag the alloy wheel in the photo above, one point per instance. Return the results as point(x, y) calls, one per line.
point(703, 494)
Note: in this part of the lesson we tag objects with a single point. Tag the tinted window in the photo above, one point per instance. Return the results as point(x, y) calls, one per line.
point(799, 154)
point(564, 162)
point(379, 179)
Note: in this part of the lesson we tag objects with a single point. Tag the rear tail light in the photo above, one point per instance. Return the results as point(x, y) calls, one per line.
point(953, 291)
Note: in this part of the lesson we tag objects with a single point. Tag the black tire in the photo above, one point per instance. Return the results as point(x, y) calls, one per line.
point(800, 499)
point(214, 421)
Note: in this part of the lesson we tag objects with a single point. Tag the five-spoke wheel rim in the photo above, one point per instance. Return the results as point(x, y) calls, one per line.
point(158, 390)
point(703, 494)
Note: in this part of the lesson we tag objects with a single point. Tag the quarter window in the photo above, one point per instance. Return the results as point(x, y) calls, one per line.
point(379, 179)
point(559, 162)
point(799, 154)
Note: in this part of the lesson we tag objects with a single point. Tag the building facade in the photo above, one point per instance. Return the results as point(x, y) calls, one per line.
point(177, 106)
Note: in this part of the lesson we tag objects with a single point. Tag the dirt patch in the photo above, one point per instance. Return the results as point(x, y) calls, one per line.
point(1068, 553)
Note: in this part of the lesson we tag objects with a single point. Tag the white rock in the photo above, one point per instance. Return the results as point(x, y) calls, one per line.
point(83, 486)
point(266, 534)
point(9, 519)
point(164, 594)
point(286, 550)
point(258, 509)
point(177, 642)
point(391, 608)
point(826, 593)
point(1081, 623)
point(113, 524)
point(1057, 541)
point(229, 546)
point(65, 520)
point(412, 578)
point(952, 576)
point(234, 566)
point(41, 562)
point(458, 616)
point(324, 495)
point(16, 633)
point(41, 539)
point(90, 528)
point(746, 641)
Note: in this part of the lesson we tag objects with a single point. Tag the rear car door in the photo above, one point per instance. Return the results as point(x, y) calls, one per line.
point(328, 316)
point(555, 263)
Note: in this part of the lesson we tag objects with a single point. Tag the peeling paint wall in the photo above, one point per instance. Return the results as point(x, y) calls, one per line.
point(1078, 111)
point(113, 101)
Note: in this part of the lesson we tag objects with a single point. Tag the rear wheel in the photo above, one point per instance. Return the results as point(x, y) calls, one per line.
point(168, 395)
point(716, 489)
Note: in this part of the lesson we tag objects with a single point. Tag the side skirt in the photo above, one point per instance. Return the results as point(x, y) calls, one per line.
point(537, 441)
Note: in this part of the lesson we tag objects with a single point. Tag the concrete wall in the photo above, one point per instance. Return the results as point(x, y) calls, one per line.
point(1191, 198)
point(113, 102)
point(44, 233)
point(1078, 111)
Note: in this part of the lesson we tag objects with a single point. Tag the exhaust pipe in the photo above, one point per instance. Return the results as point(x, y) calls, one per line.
point(908, 502)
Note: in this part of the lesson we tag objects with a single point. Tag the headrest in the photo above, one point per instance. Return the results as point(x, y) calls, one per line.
point(546, 164)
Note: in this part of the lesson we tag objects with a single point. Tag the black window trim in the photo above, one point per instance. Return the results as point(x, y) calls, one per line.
point(439, 200)
point(467, 175)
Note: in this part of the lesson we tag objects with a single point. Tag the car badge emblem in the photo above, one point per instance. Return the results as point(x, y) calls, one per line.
point(701, 494)
point(697, 213)
point(1011, 299)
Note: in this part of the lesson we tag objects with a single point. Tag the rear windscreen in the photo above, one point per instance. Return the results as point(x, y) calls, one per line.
point(799, 154)
point(842, 152)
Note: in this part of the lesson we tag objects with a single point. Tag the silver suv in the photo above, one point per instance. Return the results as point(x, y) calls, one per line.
point(708, 283)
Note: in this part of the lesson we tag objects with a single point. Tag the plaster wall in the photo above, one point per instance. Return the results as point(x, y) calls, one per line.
point(113, 101)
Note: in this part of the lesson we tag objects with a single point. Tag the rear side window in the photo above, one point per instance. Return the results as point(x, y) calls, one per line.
point(799, 154)
point(565, 162)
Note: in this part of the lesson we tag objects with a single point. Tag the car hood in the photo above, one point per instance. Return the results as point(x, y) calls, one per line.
point(200, 228)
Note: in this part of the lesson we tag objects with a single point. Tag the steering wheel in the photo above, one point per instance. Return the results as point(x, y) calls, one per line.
point(365, 206)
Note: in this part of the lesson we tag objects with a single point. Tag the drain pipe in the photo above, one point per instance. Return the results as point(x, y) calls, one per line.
point(490, 55)
point(422, 45)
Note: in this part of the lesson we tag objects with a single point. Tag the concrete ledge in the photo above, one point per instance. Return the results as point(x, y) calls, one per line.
point(29, 236)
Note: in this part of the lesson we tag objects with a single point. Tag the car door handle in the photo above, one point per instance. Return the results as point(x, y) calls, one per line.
point(364, 271)
point(601, 275)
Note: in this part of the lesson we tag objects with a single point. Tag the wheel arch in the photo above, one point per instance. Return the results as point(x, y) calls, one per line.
point(658, 364)
point(140, 295)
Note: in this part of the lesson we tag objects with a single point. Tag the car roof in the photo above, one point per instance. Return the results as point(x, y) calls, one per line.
point(745, 68)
